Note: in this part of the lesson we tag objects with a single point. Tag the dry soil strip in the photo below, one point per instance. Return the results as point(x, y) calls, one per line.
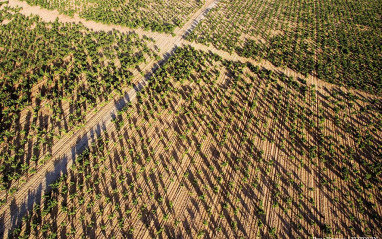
point(268, 65)
point(51, 15)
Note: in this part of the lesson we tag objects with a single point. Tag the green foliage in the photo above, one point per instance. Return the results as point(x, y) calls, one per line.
point(339, 42)
point(159, 16)
point(197, 176)
point(44, 67)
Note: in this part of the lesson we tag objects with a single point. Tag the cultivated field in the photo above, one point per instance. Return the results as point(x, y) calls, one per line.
point(215, 148)
point(190, 119)
point(54, 77)
point(160, 16)
point(337, 41)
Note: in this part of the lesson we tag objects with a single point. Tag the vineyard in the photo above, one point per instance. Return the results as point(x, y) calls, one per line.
point(53, 78)
point(160, 16)
point(190, 119)
point(337, 41)
point(215, 148)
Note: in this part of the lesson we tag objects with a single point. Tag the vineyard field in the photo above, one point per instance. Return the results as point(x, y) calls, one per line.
point(53, 79)
point(159, 16)
point(337, 41)
point(190, 119)
point(223, 149)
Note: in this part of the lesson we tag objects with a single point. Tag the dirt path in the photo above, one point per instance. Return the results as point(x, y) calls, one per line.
point(51, 15)
point(160, 38)
point(269, 66)
point(65, 150)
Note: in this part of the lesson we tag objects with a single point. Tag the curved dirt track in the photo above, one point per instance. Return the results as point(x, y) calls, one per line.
point(51, 15)
point(64, 151)
point(269, 66)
